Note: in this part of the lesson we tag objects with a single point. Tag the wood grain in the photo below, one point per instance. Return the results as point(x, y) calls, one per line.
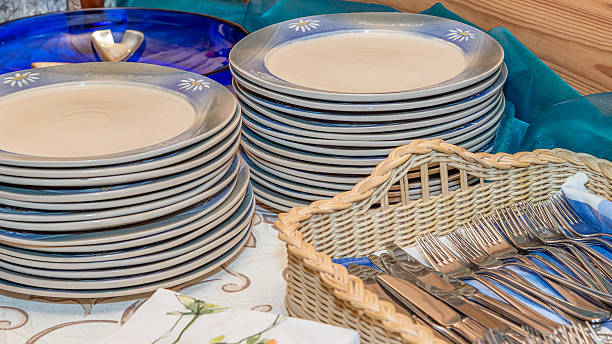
point(573, 37)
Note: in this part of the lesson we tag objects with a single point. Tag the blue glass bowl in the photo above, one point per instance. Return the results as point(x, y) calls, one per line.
point(187, 41)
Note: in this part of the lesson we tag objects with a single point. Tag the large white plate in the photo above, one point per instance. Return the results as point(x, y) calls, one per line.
point(112, 244)
point(478, 90)
point(185, 274)
point(110, 180)
point(340, 156)
point(313, 162)
point(460, 129)
point(214, 106)
point(132, 167)
point(191, 189)
point(345, 125)
point(201, 174)
point(198, 246)
point(198, 194)
point(409, 131)
point(70, 195)
point(483, 55)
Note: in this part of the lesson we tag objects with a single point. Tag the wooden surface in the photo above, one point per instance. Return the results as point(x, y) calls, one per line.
point(573, 37)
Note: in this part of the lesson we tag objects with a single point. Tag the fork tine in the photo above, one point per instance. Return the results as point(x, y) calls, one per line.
point(462, 246)
point(476, 229)
point(563, 205)
point(435, 249)
point(451, 256)
point(476, 237)
point(429, 257)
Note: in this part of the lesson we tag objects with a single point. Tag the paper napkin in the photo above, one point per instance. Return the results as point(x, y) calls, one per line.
point(168, 317)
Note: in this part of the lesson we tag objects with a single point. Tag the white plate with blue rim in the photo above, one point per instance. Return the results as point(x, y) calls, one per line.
point(182, 181)
point(446, 132)
point(347, 127)
point(140, 96)
point(318, 56)
point(202, 147)
point(271, 179)
point(189, 190)
point(195, 259)
point(409, 131)
point(107, 244)
point(195, 195)
point(208, 238)
point(346, 154)
point(312, 162)
point(107, 192)
point(194, 271)
point(378, 111)
point(463, 95)
point(340, 182)
point(122, 178)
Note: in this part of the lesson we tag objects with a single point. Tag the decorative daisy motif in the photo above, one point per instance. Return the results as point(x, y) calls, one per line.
point(190, 84)
point(458, 34)
point(21, 79)
point(262, 75)
point(304, 25)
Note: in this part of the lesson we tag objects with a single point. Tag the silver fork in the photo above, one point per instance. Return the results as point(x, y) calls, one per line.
point(496, 245)
point(445, 261)
point(473, 253)
point(484, 235)
point(529, 220)
point(565, 215)
point(525, 241)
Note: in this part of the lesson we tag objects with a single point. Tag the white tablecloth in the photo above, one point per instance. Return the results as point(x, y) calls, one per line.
point(254, 280)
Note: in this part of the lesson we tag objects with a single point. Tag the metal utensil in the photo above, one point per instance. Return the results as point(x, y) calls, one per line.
point(110, 51)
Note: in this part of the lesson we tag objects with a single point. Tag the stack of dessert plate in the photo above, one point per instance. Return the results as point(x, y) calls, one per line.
point(117, 179)
point(326, 98)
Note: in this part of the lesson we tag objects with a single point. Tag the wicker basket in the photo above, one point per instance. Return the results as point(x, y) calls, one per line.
point(361, 221)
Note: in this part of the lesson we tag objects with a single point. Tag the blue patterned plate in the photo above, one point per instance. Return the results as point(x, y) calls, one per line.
point(192, 42)
point(214, 105)
point(482, 54)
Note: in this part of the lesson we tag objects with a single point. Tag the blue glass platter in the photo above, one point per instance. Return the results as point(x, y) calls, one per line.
point(187, 41)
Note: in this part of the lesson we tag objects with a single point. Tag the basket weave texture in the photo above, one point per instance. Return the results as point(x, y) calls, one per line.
point(360, 222)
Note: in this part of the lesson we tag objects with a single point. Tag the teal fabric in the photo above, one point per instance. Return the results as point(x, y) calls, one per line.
point(542, 110)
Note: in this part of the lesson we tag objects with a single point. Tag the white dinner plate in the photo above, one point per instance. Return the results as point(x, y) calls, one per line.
point(213, 104)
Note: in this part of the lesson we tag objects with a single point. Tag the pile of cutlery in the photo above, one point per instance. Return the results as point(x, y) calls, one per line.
point(535, 238)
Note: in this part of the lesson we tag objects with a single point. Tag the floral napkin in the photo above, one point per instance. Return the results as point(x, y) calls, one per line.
point(171, 318)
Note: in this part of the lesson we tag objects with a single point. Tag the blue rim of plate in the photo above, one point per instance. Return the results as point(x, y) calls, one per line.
point(483, 54)
point(213, 103)
point(122, 14)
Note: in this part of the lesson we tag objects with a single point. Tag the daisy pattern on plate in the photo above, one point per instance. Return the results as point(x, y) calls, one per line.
point(191, 84)
point(21, 79)
point(458, 34)
point(304, 25)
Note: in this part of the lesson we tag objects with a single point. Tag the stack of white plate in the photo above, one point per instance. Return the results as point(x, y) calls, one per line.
point(326, 98)
point(117, 179)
